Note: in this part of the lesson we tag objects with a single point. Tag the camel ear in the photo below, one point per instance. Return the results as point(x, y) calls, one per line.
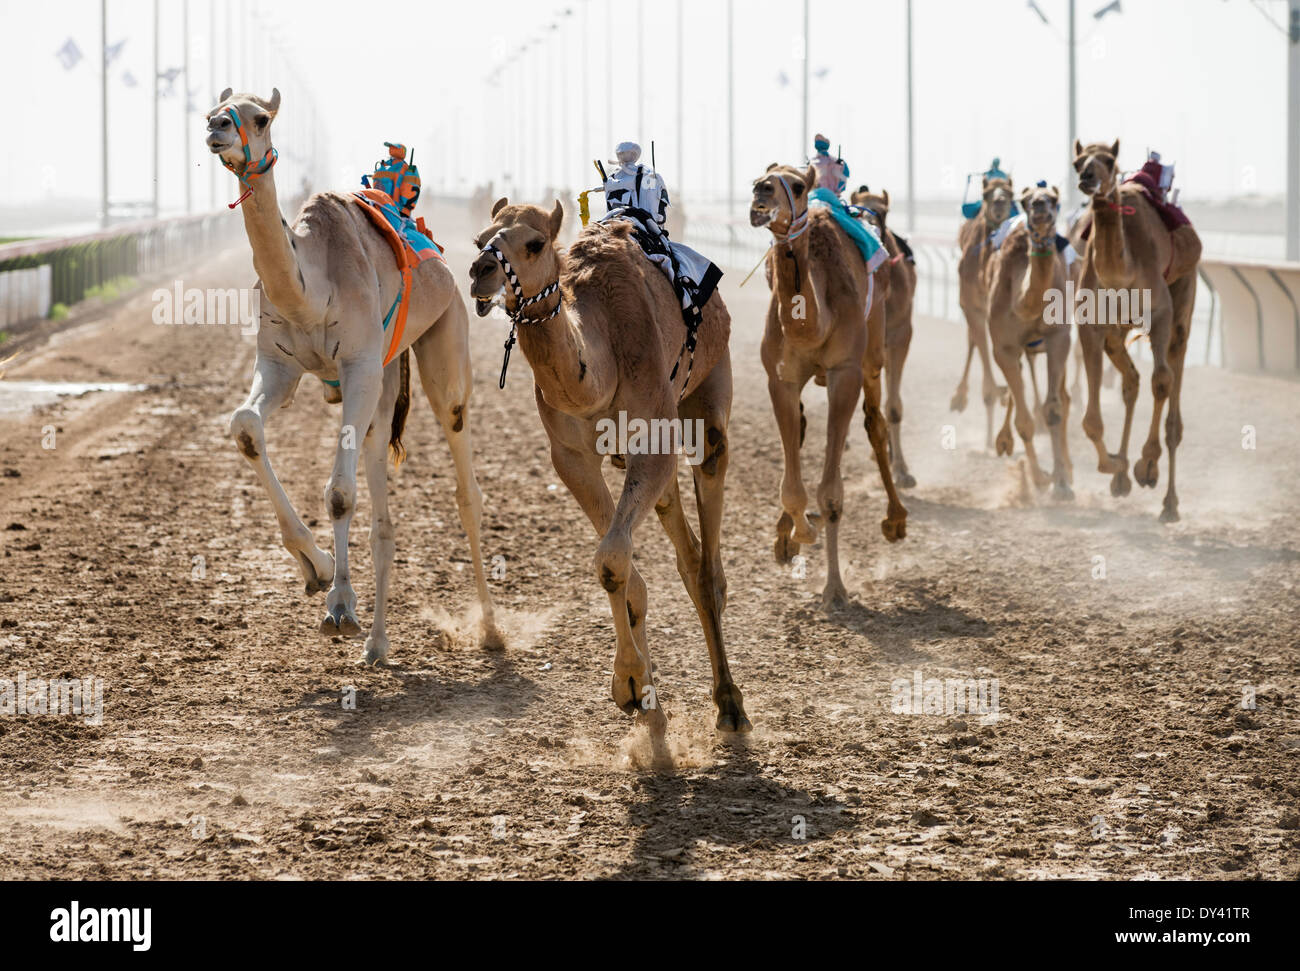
point(884, 194)
point(986, 182)
point(557, 219)
point(810, 178)
point(274, 104)
point(225, 94)
point(499, 205)
point(774, 165)
point(1078, 148)
point(1114, 149)
point(1024, 199)
point(1056, 193)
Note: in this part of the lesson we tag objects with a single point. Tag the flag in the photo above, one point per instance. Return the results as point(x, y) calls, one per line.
point(112, 51)
point(69, 54)
point(169, 76)
point(129, 79)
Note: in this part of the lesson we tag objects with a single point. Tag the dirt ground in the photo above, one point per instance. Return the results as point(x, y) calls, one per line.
point(1120, 747)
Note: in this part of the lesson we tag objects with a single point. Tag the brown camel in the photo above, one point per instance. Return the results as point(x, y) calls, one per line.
point(1129, 251)
point(898, 326)
point(973, 280)
point(826, 320)
point(1027, 276)
point(603, 332)
point(326, 281)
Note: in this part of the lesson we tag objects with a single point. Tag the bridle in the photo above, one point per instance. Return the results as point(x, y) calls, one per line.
point(1041, 245)
point(1109, 198)
point(247, 174)
point(798, 226)
point(522, 303)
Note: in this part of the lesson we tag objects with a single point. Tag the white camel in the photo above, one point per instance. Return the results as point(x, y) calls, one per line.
point(326, 284)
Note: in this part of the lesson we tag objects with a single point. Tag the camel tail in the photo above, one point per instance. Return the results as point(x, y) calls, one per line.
point(400, 410)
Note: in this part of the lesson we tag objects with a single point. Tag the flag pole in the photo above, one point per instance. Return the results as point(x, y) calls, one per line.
point(103, 112)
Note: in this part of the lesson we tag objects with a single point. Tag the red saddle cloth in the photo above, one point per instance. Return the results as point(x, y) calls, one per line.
point(1147, 180)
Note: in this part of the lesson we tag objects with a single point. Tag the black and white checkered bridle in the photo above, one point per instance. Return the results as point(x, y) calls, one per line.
point(522, 303)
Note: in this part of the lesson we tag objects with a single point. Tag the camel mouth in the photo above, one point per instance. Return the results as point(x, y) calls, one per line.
point(760, 216)
point(483, 306)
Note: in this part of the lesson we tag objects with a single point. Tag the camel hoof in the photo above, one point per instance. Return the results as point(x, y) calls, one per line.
point(731, 710)
point(1006, 445)
point(1169, 514)
point(959, 401)
point(1121, 485)
point(376, 650)
point(314, 582)
point(786, 548)
point(904, 480)
point(805, 530)
point(1041, 479)
point(1063, 493)
point(834, 596)
point(492, 639)
point(894, 527)
point(1147, 472)
point(340, 622)
point(618, 461)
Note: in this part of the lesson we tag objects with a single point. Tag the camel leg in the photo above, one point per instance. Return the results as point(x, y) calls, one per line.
point(274, 382)
point(993, 393)
point(1076, 388)
point(362, 383)
point(1119, 356)
point(960, 396)
point(382, 534)
point(1005, 443)
point(793, 529)
point(1183, 294)
point(710, 403)
point(445, 375)
point(842, 385)
point(894, 525)
point(1040, 421)
point(1147, 469)
point(579, 468)
point(648, 476)
point(1009, 361)
point(900, 339)
point(1056, 411)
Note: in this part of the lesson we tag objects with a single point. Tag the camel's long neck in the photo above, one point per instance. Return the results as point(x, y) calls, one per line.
point(567, 372)
point(796, 299)
point(1040, 277)
point(274, 257)
point(1110, 252)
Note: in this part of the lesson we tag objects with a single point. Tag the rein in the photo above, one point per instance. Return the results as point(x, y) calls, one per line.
point(522, 303)
point(245, 176)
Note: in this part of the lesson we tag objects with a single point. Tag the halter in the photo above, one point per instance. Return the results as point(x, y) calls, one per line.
point(522, 303)
point(798, 226)
point(246, 176)
point(1040, 246)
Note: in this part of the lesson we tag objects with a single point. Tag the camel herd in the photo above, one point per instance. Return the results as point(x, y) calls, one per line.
point(601, 328)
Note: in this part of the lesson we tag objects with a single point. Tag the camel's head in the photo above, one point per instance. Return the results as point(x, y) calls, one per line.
point(876, 205)
point(525, 237)
point(1098, 166)
point(1041, 205)
point(255, 116)
point(781, 197)
point(997, 196)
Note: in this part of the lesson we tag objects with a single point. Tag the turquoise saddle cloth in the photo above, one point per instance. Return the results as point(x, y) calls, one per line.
point(863, 234)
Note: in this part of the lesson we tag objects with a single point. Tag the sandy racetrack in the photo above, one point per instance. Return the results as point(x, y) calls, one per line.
point(1120, 748)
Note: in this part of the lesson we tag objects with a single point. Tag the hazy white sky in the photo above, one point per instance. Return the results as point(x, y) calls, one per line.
point(1202, 80)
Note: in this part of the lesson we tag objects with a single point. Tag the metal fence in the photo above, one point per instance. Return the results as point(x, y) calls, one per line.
point(38, 274)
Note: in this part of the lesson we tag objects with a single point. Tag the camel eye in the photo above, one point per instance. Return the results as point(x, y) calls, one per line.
point(533, 246)
point(261, 121)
